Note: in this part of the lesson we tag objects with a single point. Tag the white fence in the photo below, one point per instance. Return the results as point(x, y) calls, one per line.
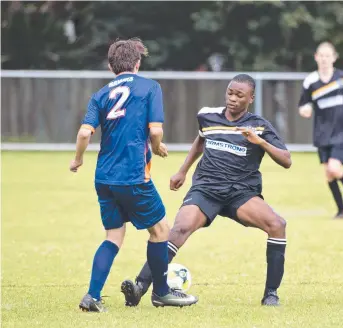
point(259, 77)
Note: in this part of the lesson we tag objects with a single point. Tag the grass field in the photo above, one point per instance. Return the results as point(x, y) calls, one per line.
point(51, 229)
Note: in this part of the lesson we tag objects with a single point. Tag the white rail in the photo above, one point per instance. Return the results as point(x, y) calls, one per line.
point(159, 75)
point(9, 146)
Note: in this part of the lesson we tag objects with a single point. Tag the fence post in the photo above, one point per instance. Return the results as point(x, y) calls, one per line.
point(259, 96)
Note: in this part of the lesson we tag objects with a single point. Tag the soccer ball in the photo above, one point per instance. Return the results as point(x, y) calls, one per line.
point(179, 277)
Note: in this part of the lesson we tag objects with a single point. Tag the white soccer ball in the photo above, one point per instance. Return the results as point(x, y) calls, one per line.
point(179, 277)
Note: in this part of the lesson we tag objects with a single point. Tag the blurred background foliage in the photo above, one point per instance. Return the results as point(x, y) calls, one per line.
point(185, 35)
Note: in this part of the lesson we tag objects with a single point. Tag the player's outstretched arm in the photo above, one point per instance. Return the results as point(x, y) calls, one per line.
point(177, 180)
point(280, 156)
point(82, 142)
point(196, 151)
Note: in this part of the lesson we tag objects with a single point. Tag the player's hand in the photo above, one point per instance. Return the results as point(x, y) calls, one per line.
point(75, 164)
point(161, 150)
point(250, 135)
point(305, 111)
point(177, 180)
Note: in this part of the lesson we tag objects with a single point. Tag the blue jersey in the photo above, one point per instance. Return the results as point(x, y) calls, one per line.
point(125, 109)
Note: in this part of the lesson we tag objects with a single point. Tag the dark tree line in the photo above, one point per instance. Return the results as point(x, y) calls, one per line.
point(251, 36)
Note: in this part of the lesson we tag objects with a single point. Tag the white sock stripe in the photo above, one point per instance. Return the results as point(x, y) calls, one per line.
point(277, 239)
point(172, 247)
point(276, 242)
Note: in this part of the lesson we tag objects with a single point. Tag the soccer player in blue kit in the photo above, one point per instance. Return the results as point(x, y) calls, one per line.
point(129, 111)
point(227, 182)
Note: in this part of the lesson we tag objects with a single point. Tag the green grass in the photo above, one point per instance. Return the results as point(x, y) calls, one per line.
point(51, 229)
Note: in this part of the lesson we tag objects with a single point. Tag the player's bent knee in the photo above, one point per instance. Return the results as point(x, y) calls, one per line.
point(187, 224)
point(181, 231)
point(334, 173)
point(334, 169)
point(160, 231)
point(328, 175)
point(182, 228)
point(276, 227)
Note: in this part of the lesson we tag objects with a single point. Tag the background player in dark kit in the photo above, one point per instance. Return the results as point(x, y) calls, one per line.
point(227, 182)
point(323, 94)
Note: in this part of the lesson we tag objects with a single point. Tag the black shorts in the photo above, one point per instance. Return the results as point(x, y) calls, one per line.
point(214, 205)
point(333, 151)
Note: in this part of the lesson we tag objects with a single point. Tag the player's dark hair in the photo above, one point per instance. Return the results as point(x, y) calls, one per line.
point(245, 78)
point(123, 55)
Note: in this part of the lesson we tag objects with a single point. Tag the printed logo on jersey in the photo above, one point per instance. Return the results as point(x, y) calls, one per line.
point(115, 83)
point(225, 146)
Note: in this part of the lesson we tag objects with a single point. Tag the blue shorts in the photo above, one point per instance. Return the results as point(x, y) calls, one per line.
point(139, 204)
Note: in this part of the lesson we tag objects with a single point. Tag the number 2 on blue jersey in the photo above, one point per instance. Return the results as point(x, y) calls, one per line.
point(117, 111)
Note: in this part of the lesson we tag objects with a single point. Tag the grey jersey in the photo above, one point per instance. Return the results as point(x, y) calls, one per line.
point(327, 101)
point(229, 159)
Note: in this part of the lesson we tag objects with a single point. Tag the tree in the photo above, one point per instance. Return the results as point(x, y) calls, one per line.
point(250, 36)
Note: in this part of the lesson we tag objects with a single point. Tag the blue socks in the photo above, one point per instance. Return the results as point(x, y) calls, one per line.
point(157, 254)
point(102, 264)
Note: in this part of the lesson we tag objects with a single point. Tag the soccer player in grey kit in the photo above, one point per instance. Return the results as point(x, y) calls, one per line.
point(227, 182)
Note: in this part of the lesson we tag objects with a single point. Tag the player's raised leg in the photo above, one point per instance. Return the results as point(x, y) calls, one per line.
point(189, 219)
point(257, 213)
